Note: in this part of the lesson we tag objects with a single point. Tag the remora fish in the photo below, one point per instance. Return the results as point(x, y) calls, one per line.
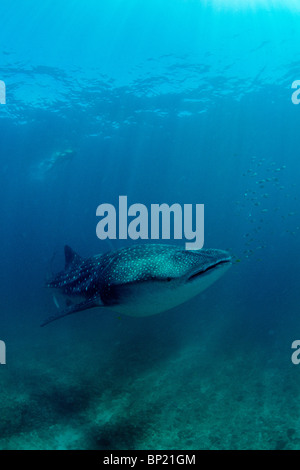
point(138, 281)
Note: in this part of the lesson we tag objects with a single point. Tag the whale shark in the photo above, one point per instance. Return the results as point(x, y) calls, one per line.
point(139, 281)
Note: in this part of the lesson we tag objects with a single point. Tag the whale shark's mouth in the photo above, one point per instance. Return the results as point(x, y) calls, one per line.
point(217, 265)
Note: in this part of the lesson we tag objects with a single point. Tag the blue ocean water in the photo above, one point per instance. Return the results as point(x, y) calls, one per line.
point(174, 101)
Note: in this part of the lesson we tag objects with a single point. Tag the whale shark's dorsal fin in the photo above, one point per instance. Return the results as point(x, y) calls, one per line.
point(71, 257)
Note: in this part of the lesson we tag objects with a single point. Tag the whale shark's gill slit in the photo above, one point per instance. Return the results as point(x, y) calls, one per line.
point(203, 271)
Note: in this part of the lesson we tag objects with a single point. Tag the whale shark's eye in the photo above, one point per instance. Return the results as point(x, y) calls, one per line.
point(169, 279)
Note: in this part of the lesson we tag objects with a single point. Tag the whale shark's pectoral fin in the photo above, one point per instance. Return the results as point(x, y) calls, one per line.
point(85, 305)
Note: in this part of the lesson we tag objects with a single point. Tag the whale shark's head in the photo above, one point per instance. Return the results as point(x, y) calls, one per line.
point(148, 279)
point(203, 265)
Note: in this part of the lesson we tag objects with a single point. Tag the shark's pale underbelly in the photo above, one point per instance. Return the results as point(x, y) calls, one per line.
point(151, 298)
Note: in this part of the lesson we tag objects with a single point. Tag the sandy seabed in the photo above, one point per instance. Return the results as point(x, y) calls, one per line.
point(116, 384)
